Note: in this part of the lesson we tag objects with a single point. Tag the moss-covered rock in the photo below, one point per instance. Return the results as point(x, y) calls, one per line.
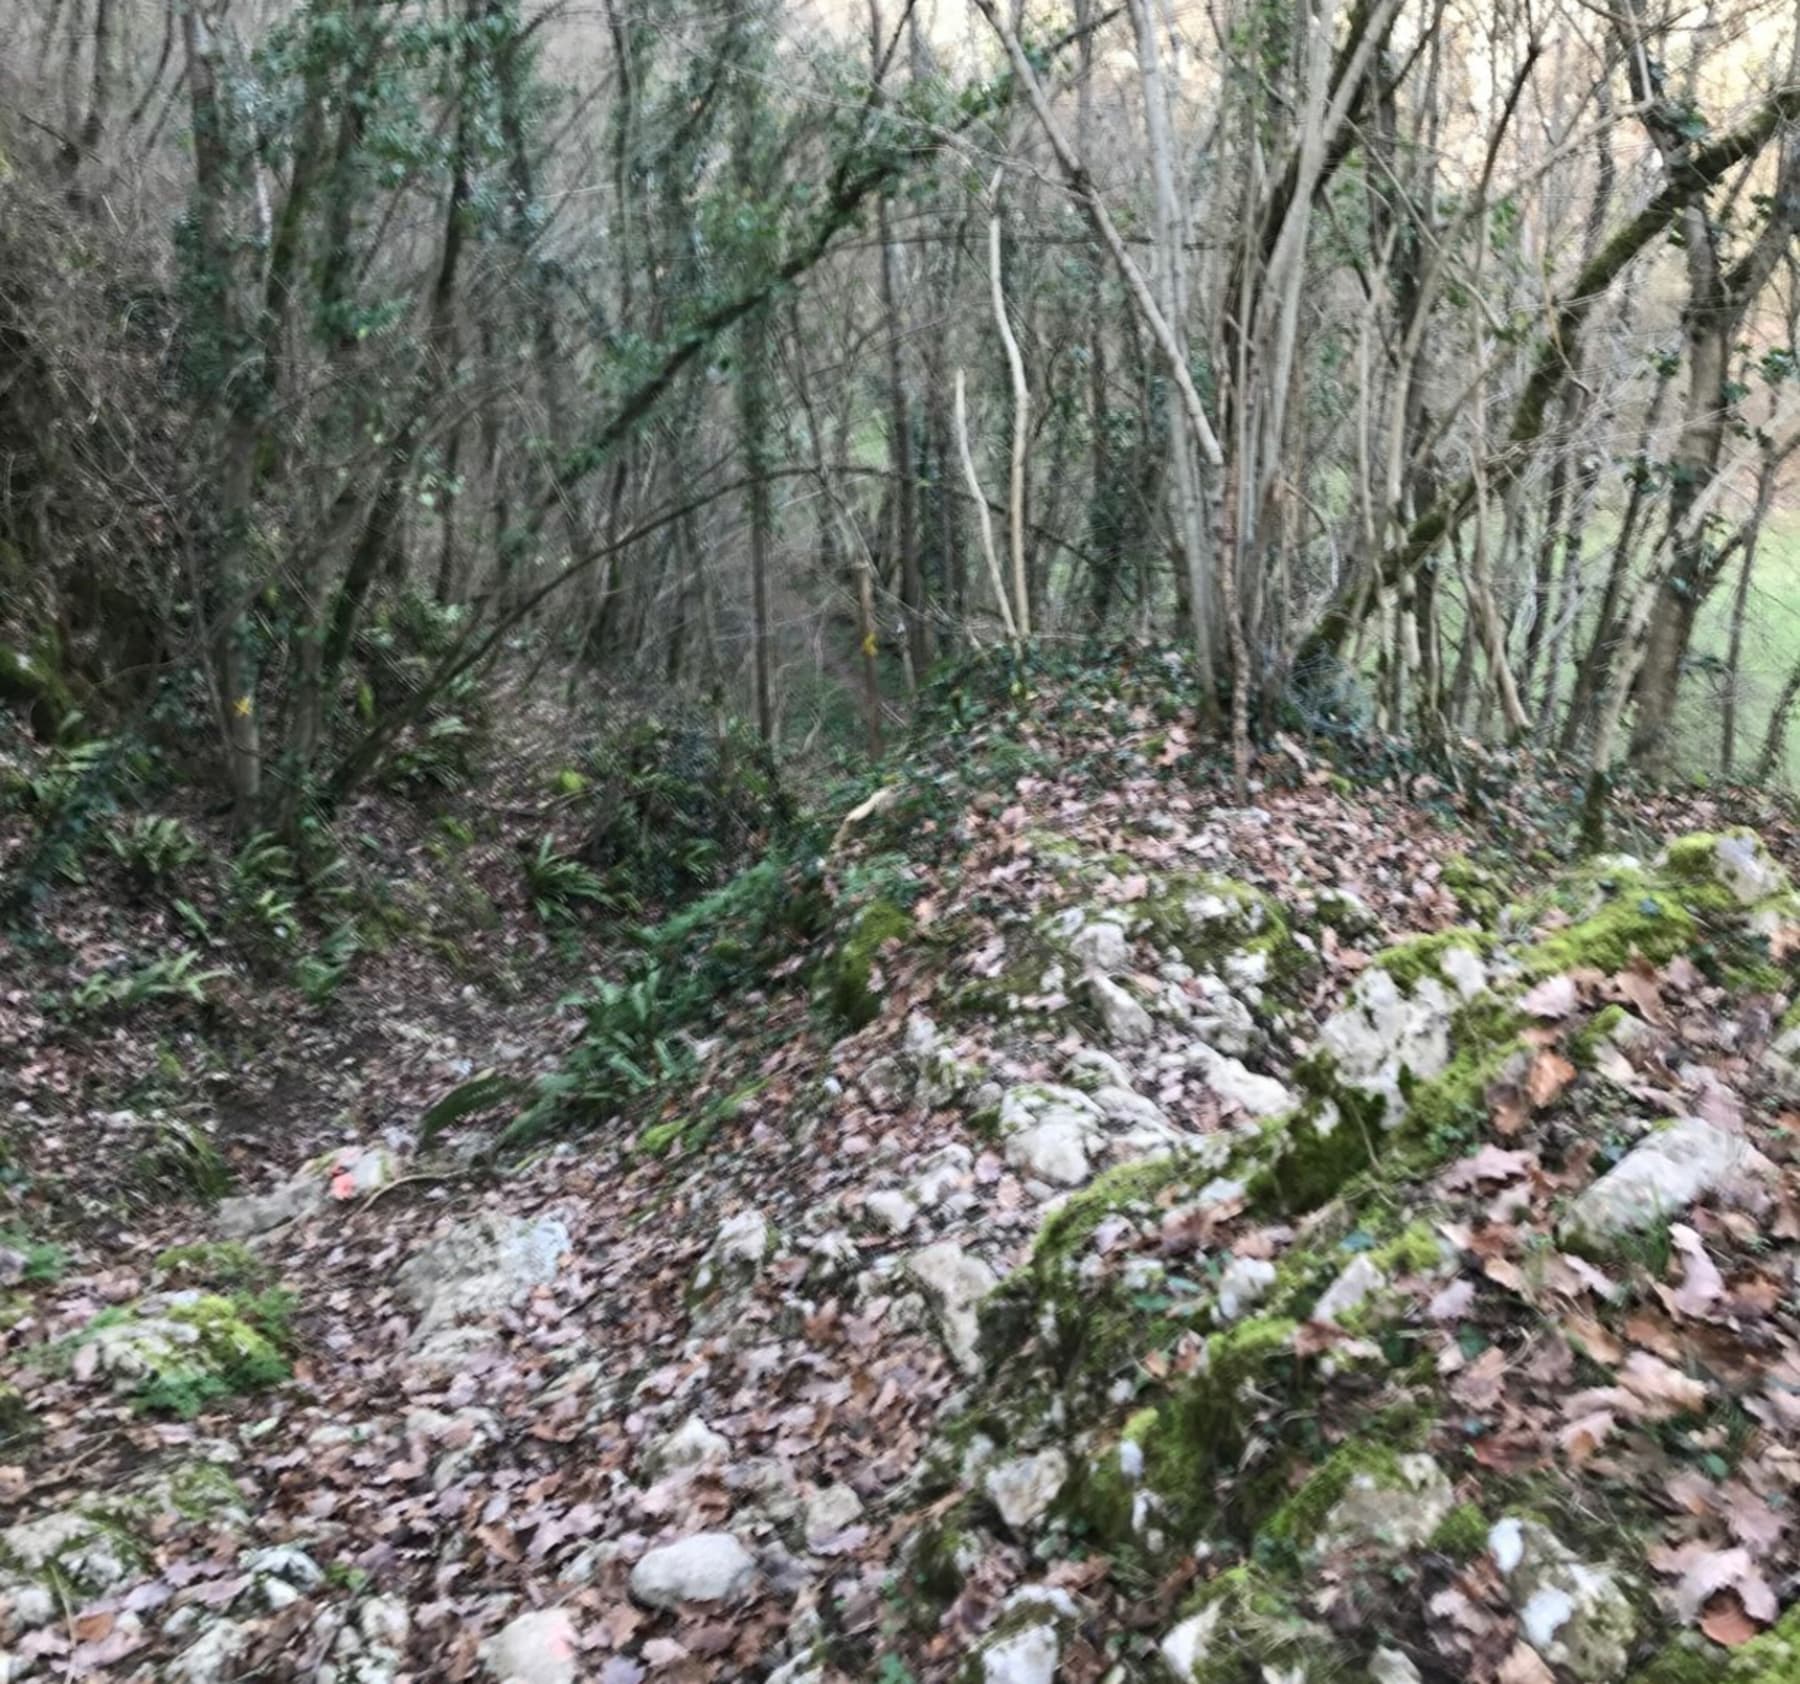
point(176, 1353)
point(848, 973)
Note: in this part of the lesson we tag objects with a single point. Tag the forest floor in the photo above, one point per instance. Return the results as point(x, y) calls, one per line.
point(702, 1394)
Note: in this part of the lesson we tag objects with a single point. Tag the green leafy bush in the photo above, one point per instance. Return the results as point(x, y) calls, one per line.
point(676, 803)
point(174, 976)
point(153, 847)
point(557, 884)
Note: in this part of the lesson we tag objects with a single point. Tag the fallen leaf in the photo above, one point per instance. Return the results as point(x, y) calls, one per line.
point(1524, 1665)
point(1550, 1073)
point(1553, 997)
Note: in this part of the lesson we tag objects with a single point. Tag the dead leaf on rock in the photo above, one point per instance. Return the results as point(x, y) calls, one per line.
point(1524, 1665)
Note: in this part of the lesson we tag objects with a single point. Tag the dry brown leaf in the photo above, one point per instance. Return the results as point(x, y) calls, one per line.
point(1550, 1073)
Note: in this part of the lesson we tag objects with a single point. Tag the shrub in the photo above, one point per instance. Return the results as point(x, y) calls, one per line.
point(677, 803)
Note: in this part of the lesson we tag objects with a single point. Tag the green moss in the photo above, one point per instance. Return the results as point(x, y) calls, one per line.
point(45, 1262)
point(1065, 1235)
point(1422, 956)
point(1462, 1534)
point(1299, 1519)
point(222, 1264)
point(1772, 1658)
point(1694, 858)
point(848, 972)
point(16, 1420)
point(203, 1491)
point(1585, 1044)
point(1477, 889)
point(236, 1352)
point(1415, 1250)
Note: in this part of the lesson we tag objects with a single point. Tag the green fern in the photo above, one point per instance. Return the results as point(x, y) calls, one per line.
point(557, 884)
point(175, 976)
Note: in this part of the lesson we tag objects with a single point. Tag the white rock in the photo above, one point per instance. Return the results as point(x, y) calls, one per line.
point(1191, 1642)
point(490, 1262)
point(1743, 865)
point(1361, 1277)
point(84, 1551)
point(1463, 966)
point(1574, 1613)
point(1246, 1281)
point(536, 1648)
point(1055, 1150)
point(1093, 1067)
point(1382, 1034)
point(1026, 1656)
point(1258, 1096)
point(708, 1567)
point(689, 1446)
point(213, 1657)
point(1023, 1487)
point(892, 1209)
point(286, 1564)
point(946, 1171)
point(829, 1509)
point(1397, 1509)
point(1125, 1019)
point(1661, 1176)
point(737, 1254)
point(1123, 1106)
point(955, 1283)
point(1215, 1015)
point(1246, 969)
point(1102, 947)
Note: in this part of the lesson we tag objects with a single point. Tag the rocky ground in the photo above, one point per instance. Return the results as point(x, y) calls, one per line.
point(1145, 1238)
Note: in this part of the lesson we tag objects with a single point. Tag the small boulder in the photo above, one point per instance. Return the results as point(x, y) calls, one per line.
point(1256, 1096)
point(1574, 1613)
point(536, 1648)
point(829, 1510)
point(1661, 1176)
point(707, 1567)
point(738, 1252)
point(1190, 1643)
point(691, 1445)
point(1125, 1019)
point(1385, 1033)
point(1101, 946)
point(212, 1658)
point(955, 1283)
point(341, 1176)
point(890, 1209)
point(489, 1263)
point(1362, 1277)
point(1245, 1282)
point(1390, 1508)
point(1027, 1655)
point(1024, 1487)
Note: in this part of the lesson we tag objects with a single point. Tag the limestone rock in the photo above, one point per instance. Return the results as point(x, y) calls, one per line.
point(212, 1658)
point(1126, 1021)
point(490, 1262)
point(956, 1283)
point(349, 1173)
point(891, 1209)
point(946, 1172)
point(1216, 1016)
point(1574, 1613)
point(1361, 1277)
point(1050, 1133)
point(1025, 1656)
point(689, 1446)
point(1101, 946)
point(707, 1567)
point(1246, 1281)
point(1743, 865)
point(1257, 1096)
point(1190, 1643)
point(1661, 1176)
point(829, 1510)
point(1383, 1032)
point(536, 1648)
point(1024, 1487)
point(739, 1250)
point(1390, 1509)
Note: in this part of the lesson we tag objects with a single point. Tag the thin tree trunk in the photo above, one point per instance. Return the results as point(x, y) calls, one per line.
point(1021, 420)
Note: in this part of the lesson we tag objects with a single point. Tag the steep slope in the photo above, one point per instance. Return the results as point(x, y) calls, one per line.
point(1138, 1238)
